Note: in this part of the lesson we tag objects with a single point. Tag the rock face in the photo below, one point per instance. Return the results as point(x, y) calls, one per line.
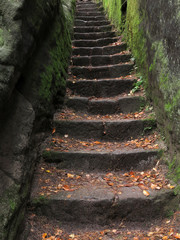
point(35, 47)
point(152, 30)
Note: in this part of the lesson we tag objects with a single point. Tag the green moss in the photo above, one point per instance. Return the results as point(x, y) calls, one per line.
point(136, 38)
point(9, 203)
point(1, 38)
point(174, 171)
point(38, 201)
point(114, 13)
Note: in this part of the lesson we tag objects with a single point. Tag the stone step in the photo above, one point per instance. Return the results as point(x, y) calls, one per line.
point(89, 13)
point(87, 29)
point(94, 43)
point(101, 87)
point(90, 18)
point(86, 5)
point(99, 204)
point(101, 60)
point(106, 106)
point(121, 130)
point(106, 71)
point(96, 35)
point(123, 160)
point(89, 9)
point(107, 50)
point(91, 23)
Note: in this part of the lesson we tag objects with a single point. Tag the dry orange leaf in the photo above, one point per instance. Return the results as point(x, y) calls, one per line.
point(165, 238)
point(170, 186)
point(53, 131)
point(69, 175)
point(44, 235)
point(97, 142)
point(110, 183)
point(177, 235)
point(142, 186)
point(67, 188)
point(146, 193)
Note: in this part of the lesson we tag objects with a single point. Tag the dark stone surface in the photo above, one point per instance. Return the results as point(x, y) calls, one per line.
point(86, 29)
point(108, 131)
point(100, 60)
point(101, 88)
point(94, 43)
point(110, 71)
point(28, 40)
point(88, 13)
point(93, 35)
point(94, 18)
point(90, 23)
point(103, 161)
point(106, 106)
point(107, 50)
point(99, 205)
point(154, 40)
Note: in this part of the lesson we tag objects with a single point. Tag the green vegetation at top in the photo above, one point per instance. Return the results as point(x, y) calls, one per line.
point(1, 38)
point(114, 10)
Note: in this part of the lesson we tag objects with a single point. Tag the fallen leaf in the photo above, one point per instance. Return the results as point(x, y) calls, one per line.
point(67, 188)
point(146, 193)
point(72, 236)
point(44, 235)
point(177, 235)
point(170, 186)
point(96, 142)
point(165, 238)
point(53, 131)
point(69, 175)
point(142, 186)
point(110, 183)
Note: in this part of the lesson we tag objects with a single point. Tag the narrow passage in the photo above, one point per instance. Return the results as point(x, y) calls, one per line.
point(100, 177)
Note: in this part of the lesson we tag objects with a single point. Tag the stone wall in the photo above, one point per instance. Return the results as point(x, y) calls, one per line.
point(115, 10)
point(35, 47)
point(152, 30)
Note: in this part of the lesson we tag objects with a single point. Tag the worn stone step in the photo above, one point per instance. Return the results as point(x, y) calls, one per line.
point(101, 60)
point(99, 204)
point(86, 5)
point(101, 87)
point(89, 13)
point(107, 50)
point(121, 130)
point(87, 29)
point(89, 18)
point(91, 23)
point(94, 43)
point(106, 71)
point(89, 9)
point(124, 160)
point(106, 106)
point(96, 35)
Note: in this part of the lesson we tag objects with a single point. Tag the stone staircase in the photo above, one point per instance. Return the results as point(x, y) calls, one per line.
point(91, 142)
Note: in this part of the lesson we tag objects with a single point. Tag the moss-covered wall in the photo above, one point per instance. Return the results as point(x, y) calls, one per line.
point(152, 31)
point(114, 12)
point(35, 47)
